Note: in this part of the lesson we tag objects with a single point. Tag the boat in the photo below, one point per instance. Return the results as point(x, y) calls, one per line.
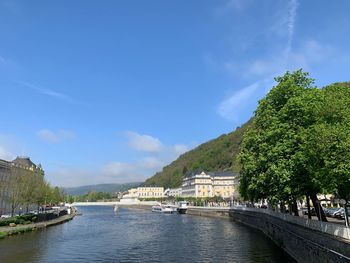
point(163, 209)
point(116, 208)
point(182, 208)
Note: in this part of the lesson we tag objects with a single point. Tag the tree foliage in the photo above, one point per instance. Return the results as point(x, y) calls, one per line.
point(299, 142)
point(26, 188)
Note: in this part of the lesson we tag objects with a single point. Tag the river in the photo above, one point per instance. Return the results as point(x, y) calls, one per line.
point(132, 235)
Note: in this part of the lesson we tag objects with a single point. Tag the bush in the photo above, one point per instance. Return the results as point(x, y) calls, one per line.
point(2, 235)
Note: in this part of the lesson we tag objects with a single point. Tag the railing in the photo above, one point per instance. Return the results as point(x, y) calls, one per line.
point(326, 227)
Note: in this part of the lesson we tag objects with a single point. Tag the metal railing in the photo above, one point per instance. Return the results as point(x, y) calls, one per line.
point(325, 227)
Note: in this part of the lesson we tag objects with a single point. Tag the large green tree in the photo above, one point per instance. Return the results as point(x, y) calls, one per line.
point(298, 144)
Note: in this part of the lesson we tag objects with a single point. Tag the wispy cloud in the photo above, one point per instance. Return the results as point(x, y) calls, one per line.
point(244, 100)
point(55, 136)
point(10, 146)
point(142, 142)
point(134, 171)
point(292, 13)
point(239, 103)
point(156, 156)
point(48, 92)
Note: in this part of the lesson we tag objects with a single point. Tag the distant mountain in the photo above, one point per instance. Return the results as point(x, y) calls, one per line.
point(216, 155)
point(108, 188)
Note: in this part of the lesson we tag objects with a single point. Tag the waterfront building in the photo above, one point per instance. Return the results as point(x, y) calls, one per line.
point(20, 165)
point(209, 184)
point(150, 192)
point(173, 192)
point(144, 192)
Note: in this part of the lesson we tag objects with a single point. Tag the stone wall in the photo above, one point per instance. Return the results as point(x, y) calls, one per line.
point(208, 211)
point(303, 243)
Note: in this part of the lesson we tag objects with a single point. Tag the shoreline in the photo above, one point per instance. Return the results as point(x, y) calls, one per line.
point(7, 231)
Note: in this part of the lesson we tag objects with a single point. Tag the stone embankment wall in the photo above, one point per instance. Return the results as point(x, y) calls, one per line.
point(221, 212)
point(305, 240)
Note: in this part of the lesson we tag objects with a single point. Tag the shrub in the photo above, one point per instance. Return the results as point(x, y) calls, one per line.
point(2, 235)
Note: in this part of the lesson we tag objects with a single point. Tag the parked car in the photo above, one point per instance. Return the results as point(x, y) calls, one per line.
point(342, 215)
point(337, 212)
point(330, 211)
point(6, 216)
point(312, 211)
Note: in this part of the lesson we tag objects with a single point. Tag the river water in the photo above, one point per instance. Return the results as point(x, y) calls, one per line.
point(133, 235)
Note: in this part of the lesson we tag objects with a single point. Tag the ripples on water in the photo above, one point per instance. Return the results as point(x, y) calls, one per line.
point(133, 235)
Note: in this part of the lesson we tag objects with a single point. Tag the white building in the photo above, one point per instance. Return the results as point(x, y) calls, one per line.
point(174, 192)
point(144, 193)
point(209, 184)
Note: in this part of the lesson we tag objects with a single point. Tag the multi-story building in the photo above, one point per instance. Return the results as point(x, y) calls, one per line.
point(145, 192)
point(150, 192)
point(209, 184)
point(19, 166)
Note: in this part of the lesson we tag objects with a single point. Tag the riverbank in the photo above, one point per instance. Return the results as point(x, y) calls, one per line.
point(6, 231)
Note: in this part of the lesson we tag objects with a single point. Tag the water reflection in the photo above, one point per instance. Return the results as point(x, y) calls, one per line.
point(131, 235)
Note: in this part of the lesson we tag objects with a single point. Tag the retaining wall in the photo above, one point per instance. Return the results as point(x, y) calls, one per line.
point(305, 240)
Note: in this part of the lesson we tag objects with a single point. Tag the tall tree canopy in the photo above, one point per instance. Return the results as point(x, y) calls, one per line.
point(298, 144)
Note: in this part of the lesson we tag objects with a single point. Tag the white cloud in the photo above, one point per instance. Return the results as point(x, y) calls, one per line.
point(145, 143)
point(307, 55)
point(239, 103)
point(5, 154)
point(55, 136)
point(10, 147)
point(117, 169)
point(150, 163)
point(131, 172)
point(48, 92)
point(281, 58)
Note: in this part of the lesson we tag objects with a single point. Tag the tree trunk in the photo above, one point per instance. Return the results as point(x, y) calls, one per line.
point(318, 208)
point(12, 210)
point(295, 208)
point(308, 206)
point(282, 207)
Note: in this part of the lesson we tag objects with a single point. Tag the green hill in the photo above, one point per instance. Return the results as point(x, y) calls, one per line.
point(216, 155)
point(107, 188)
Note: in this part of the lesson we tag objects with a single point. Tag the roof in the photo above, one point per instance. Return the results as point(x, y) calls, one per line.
point(23, 161)
point(222, 174)
point(213, 174)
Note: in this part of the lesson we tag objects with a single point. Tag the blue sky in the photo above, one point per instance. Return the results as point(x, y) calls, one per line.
point(111, 91)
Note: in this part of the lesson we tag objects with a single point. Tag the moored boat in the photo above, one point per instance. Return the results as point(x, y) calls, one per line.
point(162, 209)
point(182, 208)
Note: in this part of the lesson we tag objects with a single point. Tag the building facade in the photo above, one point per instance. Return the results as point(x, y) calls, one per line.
point(8, 169)
point(209, 184)
point(173, 192)
point(150, 192)
point(145, 192)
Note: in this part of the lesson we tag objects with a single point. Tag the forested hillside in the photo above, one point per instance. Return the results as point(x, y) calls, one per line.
point(216, 155)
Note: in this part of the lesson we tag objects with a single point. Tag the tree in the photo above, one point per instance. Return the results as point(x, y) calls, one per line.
point(15, 188)
point(298, 144)
point(268, 147)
